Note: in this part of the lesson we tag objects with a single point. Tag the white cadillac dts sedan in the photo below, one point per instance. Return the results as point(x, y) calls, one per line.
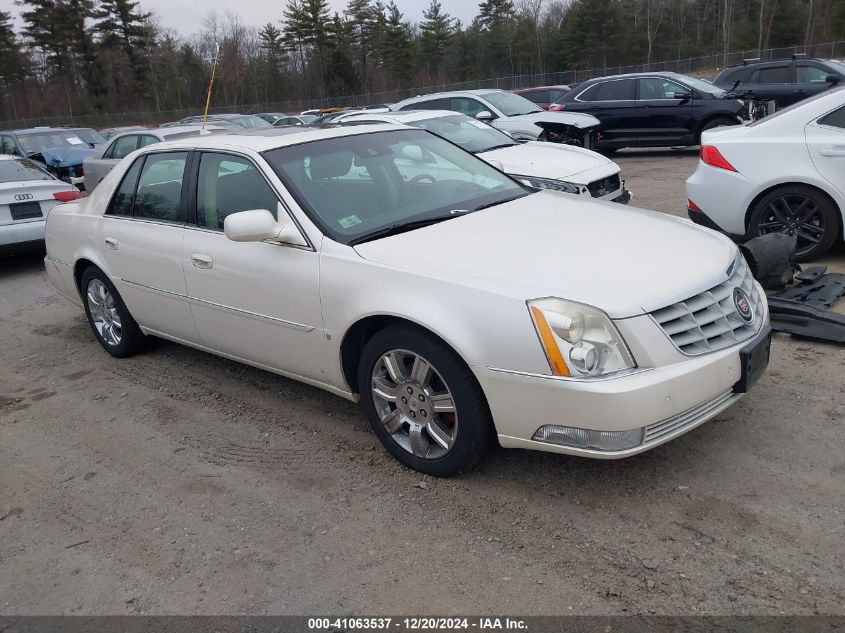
point(458, 310)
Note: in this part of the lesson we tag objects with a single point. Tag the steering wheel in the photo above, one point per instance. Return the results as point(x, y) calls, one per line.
point(412, 182)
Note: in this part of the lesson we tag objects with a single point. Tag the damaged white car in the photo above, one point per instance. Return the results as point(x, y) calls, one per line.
point(516, 115)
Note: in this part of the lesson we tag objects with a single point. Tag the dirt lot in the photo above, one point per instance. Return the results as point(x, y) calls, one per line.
point(177, 482)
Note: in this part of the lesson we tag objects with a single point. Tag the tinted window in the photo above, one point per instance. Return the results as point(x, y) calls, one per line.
point(122, 147)
point(149, 139)
point(159, 195)
point(554, 95)
point(835, 119)
point(620, 90)
point(228, 184)
point(773, 75)
point(657, 88)
point(21, 170)
point(121, 204)
point(432, 104)
point(470, 107)
point(538, 96)
point(811, 74)
point(7, 145)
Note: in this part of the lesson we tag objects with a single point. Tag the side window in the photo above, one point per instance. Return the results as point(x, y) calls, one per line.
point(810, 74)
point(159, 195)
point(834, 119)
point(228, 184)
point(7, 145)
point(772, 75)
point(432, 104)
point(122, 147)
point(655, 88)
point(554, 95)
point(147, 139)
point(121, 203)
point(467, 106)
point(618, 90)
point(537, 96)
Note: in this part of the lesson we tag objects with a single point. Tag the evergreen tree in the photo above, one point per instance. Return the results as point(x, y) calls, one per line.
point(436, 32)
point(363, 22)
point(395, 46)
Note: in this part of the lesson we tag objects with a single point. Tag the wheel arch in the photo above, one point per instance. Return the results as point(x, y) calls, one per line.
point(362, 330)
point(721, 114)
point(793, 183)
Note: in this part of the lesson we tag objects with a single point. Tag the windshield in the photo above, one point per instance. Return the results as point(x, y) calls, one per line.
point(474, 136)
point(92, 137)
point(510, 104)
point(20, 170)
point(703, 86)
point(37, 143)
point(354, 186)
point(251, 122)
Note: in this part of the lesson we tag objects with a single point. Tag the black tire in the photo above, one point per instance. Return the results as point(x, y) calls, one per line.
point(719, 121)
point(824, 224)
point(131, 338)
point(473, 423)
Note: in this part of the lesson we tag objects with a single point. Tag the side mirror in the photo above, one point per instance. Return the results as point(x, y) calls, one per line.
point(683, 96)
point(485, 115)
point(832, 79)
point(258, 225)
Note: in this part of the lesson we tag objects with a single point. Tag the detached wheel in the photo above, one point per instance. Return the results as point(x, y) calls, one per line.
point(108, 316)
point(801, 211)
point(423, 402)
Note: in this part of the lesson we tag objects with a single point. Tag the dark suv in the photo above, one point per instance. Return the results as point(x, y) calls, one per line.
point(650, 109)
point(784, 81)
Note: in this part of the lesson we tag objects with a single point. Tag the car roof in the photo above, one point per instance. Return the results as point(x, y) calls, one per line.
point(532, 88)
point(762, 62)
point(36, 130)
point(403, 115)
point(662, 73)
point(451, 93)
point(272, 138)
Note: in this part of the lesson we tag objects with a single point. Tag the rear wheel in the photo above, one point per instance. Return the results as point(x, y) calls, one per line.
point(801, 211)
point(108, 316)
point(423, 402)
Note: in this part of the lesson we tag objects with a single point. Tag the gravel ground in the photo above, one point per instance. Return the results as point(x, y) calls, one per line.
point(177, 482)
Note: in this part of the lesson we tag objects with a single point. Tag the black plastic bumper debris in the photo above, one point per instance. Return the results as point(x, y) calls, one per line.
point(803, 308)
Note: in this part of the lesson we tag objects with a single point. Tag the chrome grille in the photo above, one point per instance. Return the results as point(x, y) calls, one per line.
point(604, 186)
point(709, 321)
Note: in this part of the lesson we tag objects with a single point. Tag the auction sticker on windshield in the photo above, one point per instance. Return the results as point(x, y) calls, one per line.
point(349, 221)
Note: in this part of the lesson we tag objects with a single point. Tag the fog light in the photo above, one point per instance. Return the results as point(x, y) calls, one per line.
point(585, 438)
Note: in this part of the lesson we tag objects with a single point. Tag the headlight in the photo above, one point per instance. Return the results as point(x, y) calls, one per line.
point(547, 183)
point(579, 341)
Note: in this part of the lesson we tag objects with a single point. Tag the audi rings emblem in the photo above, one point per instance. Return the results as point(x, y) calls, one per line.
point(23, 196)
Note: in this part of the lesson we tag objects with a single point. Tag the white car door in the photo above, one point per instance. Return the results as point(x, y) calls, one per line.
point(826, 144)
point(141, 241)
point(256, 301)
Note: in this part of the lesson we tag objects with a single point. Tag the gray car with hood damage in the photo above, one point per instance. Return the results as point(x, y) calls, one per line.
point(59, 150)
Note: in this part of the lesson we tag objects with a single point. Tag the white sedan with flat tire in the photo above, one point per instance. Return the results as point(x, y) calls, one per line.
point(458, 310)
point(782, 174)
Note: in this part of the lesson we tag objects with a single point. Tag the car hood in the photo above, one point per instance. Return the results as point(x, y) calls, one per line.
point(622, 260)
point(548, 160)
point(576, 119)
point(66, 156)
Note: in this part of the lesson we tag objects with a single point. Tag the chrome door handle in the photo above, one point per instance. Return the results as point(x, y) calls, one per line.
point(111, 243)
point(201, 261)
point(832, 152)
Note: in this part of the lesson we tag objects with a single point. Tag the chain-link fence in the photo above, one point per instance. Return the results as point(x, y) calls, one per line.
point(706, 67)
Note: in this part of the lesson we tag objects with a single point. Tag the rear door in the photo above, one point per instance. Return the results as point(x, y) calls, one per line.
point(826, 144)
point(662, 118)
point(613, 103)
point(141, 237)
point(772, 82)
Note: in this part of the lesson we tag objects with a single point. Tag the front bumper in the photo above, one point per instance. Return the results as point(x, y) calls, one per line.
point(664, 401)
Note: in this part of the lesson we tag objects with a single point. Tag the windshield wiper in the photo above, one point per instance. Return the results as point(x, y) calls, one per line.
point(401, 227)
point(494, 147)
point(502, 201)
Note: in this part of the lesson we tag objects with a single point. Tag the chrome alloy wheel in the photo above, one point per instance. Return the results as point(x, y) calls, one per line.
point(104, 313)
point(414, 404)
point(795, 215)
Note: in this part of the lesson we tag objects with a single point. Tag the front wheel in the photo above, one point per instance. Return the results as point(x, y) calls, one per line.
point(713, 123)
point(800, 211)
point(423, 402)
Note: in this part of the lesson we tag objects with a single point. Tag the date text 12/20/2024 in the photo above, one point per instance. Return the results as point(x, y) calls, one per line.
point(416, 624)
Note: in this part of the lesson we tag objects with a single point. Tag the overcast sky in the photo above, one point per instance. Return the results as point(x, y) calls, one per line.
point(187, 17)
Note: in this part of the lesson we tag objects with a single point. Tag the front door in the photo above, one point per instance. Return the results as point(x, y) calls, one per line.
point(256, 301)
point(663, 119)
